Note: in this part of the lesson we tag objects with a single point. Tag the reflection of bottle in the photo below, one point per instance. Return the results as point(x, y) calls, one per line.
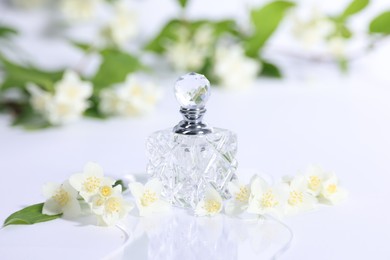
point(192, 155)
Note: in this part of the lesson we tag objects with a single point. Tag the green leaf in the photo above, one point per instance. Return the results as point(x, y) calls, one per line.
point(183, 3)
point(270, 70)
point(120, 182)
point(116, 65)
point(29, 119)
point(29, 215)
point(343, 65)
point(265, 21)
point(83, 46)
point(354, 7)
point(381, 23)
point(168, 32)
point(93, 111)
point(17, 76)
point(6, 31)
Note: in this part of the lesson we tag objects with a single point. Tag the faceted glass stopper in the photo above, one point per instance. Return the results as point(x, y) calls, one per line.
point(192, 90)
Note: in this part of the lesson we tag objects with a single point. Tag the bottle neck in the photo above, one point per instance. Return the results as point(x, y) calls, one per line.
point(192, 123)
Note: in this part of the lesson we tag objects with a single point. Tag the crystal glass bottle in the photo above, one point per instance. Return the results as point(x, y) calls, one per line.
point(190, 156)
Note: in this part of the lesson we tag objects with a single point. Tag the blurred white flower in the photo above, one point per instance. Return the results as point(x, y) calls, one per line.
point(210, 205)
point(299, 199)
point(72, 89)
point(40, 98)
point(233, 69)
point(113, 209)
point(133, 97)
point(90, 181)
point(58, 112)
point(79, 9)
point(67, 104)
point(189, 53)
point(314, 176)
point(60, 198)
point(331, 192)
point(266, 199)
point(240, 198)
point(313, 30)
point(148, 197)
point(123, 25)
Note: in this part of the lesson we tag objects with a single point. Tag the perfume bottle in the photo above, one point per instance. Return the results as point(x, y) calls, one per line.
point(192, 155)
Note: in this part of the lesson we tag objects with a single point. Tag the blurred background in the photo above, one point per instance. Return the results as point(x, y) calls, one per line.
point(300, 82)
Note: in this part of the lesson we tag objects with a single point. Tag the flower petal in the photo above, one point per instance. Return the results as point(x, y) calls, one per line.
point(51, 207)
point(49, 189)
point(137, 189)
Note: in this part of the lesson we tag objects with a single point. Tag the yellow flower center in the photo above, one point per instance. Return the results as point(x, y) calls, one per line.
point(91, 184)
point(148, 198)
point(332, 188)
point(212, 206)
point(72, 92)
point(296, 197)
point(314, 182)
point(112, 205)
point(61, 197)
point(106, 191)
point(268, 200)
point(243, 194)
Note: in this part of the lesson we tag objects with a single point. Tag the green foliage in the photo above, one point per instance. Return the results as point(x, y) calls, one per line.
point(270, 70)
point(29, 119)
point(17, 76)
point(29, 215)
point(93, 111)
point(114, 68)
point(354, 7)
point(6, 31)
point(183, 3)
point(266, 20)
point(380, 24)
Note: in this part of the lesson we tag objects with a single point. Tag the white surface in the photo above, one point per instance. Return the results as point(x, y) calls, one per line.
point(342, 123)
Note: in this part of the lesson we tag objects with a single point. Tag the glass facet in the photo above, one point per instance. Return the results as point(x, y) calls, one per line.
point(186, 164)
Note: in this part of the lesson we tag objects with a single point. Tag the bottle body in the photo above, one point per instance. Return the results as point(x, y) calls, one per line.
point(188, 164)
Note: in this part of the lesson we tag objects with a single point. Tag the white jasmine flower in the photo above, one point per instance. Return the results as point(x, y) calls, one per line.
point(148, 197)
point(265, 199)
point(72, 89)
point(313, 30)
point(233, 69)
point(59, 112)
point(211, 204)
point(299, 199)
point(122, 26)
point(60, 198)
point(39, 98)
point(331, 192)
point(133, 97)
point(90, 181)
point(105, 191)
point(314, 176)
point(189, 53)
point(240, 198)
point(68, 102)
point(79, 9)
point(114, 208)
